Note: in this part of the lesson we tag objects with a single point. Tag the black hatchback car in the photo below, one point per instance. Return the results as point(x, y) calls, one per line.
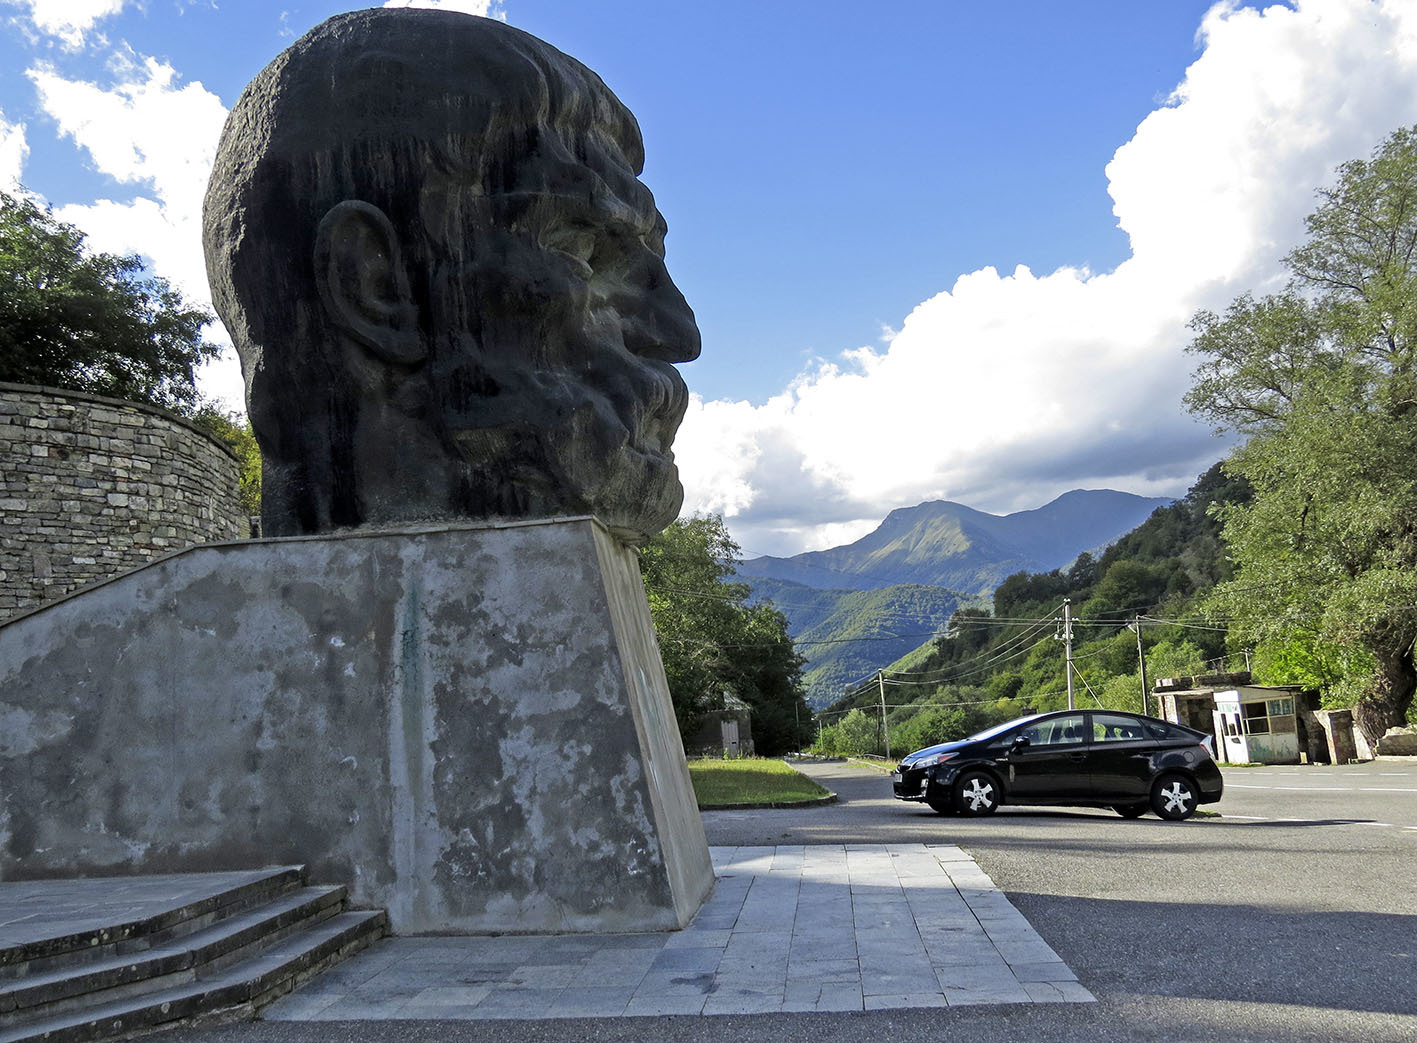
point(1086, 758)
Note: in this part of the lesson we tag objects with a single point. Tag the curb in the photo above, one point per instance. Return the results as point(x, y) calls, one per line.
point(818, 802)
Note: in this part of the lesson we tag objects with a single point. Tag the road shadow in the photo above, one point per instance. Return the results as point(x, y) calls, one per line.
point(1347, 961)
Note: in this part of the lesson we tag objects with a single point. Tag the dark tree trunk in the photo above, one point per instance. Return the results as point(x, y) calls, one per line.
point(1392, 694)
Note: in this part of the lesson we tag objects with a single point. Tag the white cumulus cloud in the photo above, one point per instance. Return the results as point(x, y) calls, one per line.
point(159, 135)
point(1007, 389)
point(68, 20)
point(483, 8)
point(13, 152)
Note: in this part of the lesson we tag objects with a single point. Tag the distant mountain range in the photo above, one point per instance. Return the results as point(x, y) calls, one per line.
point(945, 544)
point(920, 564)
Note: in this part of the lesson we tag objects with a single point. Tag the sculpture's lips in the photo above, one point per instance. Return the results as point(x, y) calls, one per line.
point(666, 399)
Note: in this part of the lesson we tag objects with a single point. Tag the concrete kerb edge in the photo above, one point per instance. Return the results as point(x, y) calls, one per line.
point(817, 802)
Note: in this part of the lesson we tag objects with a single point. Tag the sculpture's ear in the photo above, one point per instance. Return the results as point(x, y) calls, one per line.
point(363, 284)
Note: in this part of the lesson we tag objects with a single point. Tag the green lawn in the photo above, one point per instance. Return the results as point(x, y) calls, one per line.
point(752, 780)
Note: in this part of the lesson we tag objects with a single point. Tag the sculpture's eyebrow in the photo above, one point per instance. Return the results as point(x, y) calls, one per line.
point(598, 209)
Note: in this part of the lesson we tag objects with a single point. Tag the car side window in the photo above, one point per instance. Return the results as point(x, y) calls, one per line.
point(1163, 731)
point(1057, 732)
point(1112, 727)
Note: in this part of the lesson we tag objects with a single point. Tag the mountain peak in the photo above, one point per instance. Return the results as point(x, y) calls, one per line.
point(948, 544)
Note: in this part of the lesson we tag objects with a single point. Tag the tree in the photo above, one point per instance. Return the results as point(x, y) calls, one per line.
point(88, 321)
point(1321, 379)
point(858, 735)
point(714, 643)
point(936, 724)
point(1127, 588)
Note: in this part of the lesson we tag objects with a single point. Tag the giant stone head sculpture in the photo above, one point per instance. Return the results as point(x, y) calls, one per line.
point(426, 234)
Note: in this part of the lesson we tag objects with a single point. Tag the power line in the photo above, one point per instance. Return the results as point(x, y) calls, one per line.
point(988, 655)
point(986, 659)
point(1178, 623)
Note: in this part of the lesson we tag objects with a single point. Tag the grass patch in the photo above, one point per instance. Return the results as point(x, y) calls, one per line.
point(750, 780)
point(880, 764)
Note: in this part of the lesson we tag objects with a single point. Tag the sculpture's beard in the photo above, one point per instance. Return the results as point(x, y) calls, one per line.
point(590, 439)
point(556, 392)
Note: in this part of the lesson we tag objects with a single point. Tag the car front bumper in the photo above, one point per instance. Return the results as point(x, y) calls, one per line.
point(927, 784)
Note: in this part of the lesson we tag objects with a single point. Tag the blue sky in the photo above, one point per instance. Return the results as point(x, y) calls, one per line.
point(937, 249)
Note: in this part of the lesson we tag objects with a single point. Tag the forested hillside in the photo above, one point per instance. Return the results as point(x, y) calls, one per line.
point(1004, 660)
point(867, 627)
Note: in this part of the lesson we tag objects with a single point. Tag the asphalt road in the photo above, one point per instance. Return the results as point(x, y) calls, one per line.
point(1292, 915)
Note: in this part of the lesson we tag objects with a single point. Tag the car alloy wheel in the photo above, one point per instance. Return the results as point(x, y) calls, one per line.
point(1174, 797)
point(976, 793)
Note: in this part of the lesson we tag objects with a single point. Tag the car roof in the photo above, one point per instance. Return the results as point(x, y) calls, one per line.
point(1049, 715)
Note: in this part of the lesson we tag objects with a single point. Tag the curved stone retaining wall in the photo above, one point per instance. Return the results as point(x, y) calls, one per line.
point(92, 486)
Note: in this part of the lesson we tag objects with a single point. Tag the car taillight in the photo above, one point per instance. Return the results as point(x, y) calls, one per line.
point(1209, 743)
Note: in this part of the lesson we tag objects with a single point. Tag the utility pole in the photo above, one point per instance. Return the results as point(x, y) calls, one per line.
point(1141, 661)
point(1068, 645)
point(885, 732)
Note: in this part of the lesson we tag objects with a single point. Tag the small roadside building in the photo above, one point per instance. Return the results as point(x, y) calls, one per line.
point(1252, 724)
point(726, 732)
point(1257, 725)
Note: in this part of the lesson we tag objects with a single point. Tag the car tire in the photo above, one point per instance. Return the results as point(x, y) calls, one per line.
point(1130, 810)
point(976, 793)
point(1174, 797)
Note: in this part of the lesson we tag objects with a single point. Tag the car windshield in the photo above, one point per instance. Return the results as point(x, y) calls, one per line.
point(999, 729)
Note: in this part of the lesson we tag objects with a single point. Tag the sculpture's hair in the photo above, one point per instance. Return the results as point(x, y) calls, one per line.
point(381, 106)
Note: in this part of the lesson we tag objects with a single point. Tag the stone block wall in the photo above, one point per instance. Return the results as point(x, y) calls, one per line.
point(92, 486)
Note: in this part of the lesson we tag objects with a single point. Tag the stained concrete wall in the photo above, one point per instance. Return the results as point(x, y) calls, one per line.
point(469, 725)
point(92, 486)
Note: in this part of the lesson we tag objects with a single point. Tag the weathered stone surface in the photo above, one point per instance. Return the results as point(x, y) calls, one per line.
point(91, 486)
point(426, 234)
point(1398, 742)
point(468, 725)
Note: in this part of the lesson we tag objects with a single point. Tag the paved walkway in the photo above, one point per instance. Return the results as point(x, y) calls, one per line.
point(829, 928)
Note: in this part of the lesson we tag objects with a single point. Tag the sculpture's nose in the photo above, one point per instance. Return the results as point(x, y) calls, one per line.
point(657, 321)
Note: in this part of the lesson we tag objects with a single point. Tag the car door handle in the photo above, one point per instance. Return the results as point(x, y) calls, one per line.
point(1077, 756)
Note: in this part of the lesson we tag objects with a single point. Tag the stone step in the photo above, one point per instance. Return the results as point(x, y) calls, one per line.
point(238, 989)
point(68, 931)
point(174, 962)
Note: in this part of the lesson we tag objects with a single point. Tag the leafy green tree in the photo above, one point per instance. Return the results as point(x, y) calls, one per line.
point(938, 724)
point(1127, 588)
point(714, 643)
point(858, 734)
point(766, 672)
point(1030, 593)
point(1175, 657)
point(827, 742)
point(88, 321)
point(1322, 379)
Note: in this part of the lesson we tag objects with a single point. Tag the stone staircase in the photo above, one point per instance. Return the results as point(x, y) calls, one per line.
point(93, 959)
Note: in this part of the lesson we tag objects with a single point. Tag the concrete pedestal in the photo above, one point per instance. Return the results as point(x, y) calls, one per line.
point(469, 725)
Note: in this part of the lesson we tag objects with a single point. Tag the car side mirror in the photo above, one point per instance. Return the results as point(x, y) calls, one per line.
point(1021, 742)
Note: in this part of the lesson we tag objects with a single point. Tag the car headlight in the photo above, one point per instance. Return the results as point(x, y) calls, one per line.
point(932, 760)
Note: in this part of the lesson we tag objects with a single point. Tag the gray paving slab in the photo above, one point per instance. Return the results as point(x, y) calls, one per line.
point(800, 929)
